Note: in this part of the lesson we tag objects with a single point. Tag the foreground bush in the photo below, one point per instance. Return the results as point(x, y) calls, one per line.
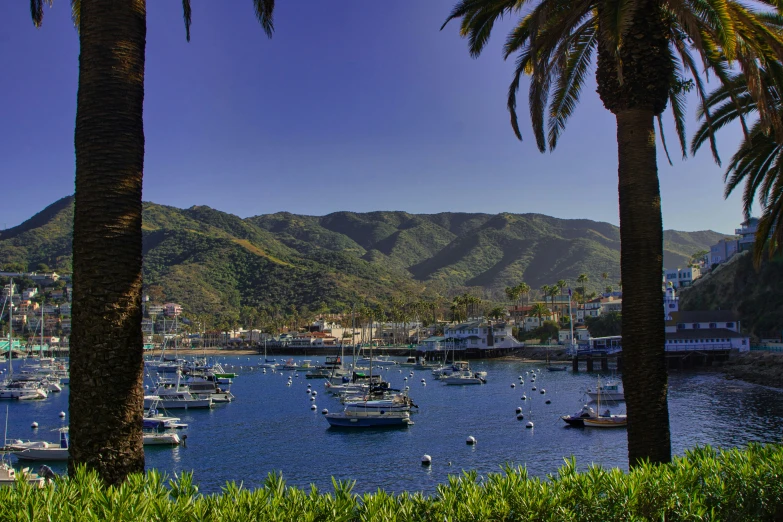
point(740, 484)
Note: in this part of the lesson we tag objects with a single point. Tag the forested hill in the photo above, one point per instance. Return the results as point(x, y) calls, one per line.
point(210, 260)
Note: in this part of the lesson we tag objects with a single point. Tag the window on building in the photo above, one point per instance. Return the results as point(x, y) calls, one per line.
point(671, 305)
point(696, 326)
point(681, 326)
point(713, 325)
point(729, 325)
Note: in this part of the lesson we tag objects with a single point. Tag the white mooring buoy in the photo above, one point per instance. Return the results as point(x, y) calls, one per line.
point(470, 441)
point(313, 407)
point(513, 385)
point(519, 410)
point(524, 397)
point(312, 398)
point(547, 402)
point(315, 393)
point(529, 424)
point(426, 460)
point(324, 411)
point(34, 425)
point(520, 416)
point(533, 388)
point(62, 414)
point(309, 385)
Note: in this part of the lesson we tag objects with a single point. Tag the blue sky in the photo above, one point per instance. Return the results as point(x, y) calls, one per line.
point(353, 105)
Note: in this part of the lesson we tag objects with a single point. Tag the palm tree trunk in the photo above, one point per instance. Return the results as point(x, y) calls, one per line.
point(106, 399)
point(641, 263)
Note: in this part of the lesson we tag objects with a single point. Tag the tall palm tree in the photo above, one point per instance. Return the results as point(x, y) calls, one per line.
point(524, 289)
point(644, 49)
point(554, 291)
point(545, 293)
point(539, 310)
point(107, 354)
point(758, 161)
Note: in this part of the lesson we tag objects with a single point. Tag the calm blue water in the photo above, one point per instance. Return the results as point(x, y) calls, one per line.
point(270, 427)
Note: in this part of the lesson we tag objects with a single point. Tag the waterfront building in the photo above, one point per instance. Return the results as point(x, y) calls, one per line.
point(747, 234)
point(580, 334)
point(705, 330)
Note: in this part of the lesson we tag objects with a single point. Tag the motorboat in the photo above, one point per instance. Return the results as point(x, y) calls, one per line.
point(410, 361)
point(9, 476)
point(609, 391)
point(463, 377)
point(170, 398)
point(577, 419)
point(41, 450)
point(162, 439)
point(369, 415)
point(22, 390)
point(289, 365)
point(153, 419)
point(378, 360)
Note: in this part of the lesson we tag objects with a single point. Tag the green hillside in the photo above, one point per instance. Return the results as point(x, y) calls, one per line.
point(209, 260)
point(737, 285)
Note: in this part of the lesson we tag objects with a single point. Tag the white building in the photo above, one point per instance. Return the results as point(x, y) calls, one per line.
point(473, 335)
point(29, 293)
point(580, 334)
point(705, 330)
point(680, 277)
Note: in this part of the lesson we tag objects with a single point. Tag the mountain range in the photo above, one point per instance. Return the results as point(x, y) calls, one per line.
point(211, 260)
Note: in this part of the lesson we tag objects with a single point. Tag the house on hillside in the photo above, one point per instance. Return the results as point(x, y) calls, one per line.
point(705, 330)
point(580, 334)
point(680, 277)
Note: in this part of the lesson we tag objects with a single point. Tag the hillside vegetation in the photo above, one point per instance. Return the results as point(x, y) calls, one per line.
point(754, 294)
point(207, 259)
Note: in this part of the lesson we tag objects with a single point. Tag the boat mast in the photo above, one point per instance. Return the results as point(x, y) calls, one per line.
point(571, 318)
point(40, 352)
point(10, 326)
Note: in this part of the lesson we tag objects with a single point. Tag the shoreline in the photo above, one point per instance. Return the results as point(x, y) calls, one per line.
point(757, 367)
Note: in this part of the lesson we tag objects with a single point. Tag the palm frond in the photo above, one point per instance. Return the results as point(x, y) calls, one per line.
point(663, 139)
point(37, 10)
point(264, 13)
point(76, 13)
point(186, 14)
point(569, 85)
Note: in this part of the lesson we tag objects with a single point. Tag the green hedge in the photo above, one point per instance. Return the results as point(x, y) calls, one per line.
point(739, 484)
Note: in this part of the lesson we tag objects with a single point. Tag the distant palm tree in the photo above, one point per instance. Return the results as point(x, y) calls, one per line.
point(497, 312)
point(524, 289)
point(539, 310)
point(545, 293)
point(554, 291)
point(644, 59)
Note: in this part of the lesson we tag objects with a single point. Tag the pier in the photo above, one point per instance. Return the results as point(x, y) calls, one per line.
point(675, 360)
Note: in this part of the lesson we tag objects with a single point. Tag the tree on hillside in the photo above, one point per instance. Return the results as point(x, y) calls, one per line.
point(554, 291)
point(539, 310)
point(106, 399)
point(497, 312)
point(644, 60)
point(605, 325)
point(545, 293)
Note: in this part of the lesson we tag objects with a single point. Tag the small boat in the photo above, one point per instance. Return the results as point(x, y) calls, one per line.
point(410, 361)
point(378, 360)
point(8, 476)
point(557, 368)
point(289, 365)
point(162, 439)
point(369, 415)
point(578, 418)
point(610, 391)
point(607, 420)
point(463, 377)
point(40, 450)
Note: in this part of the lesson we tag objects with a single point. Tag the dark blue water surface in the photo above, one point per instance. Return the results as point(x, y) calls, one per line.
point(270, 427)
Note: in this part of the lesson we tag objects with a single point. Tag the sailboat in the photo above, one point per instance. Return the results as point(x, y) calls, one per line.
point(605, 419)
point(371, 413)
point(268, 363)
point(21, 390)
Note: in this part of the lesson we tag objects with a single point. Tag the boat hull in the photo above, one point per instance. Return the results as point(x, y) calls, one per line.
point(339, 420)
point(607, 422)
point(44, 454)
point(179, 405)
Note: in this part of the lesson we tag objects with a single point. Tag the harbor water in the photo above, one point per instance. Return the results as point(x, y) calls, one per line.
point(270, 427)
